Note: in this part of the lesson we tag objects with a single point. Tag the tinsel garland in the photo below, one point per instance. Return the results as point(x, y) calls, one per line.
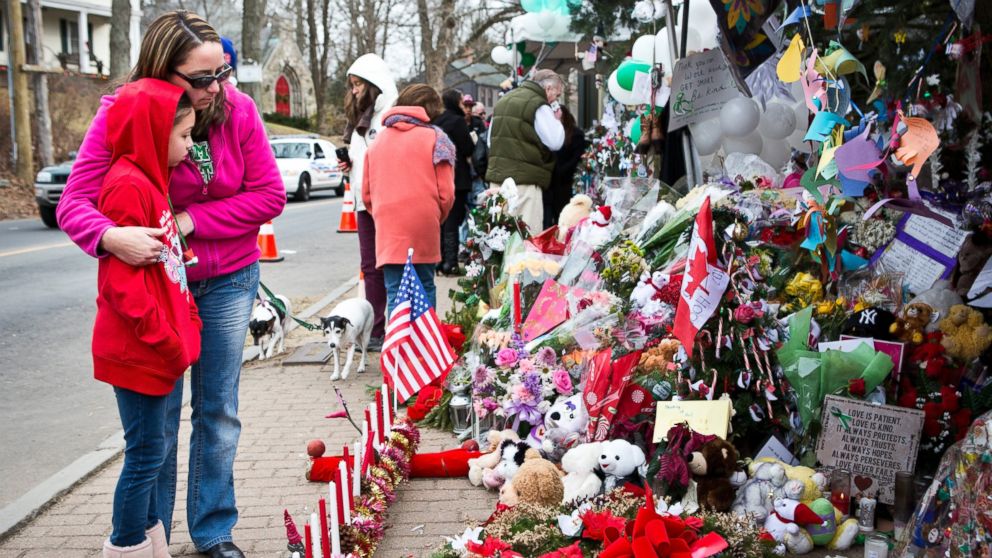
point(379, 489)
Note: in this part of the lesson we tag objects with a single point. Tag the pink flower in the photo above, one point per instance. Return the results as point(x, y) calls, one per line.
point(506, 358)
point(526, 365)
point(745, 314)
point(522, 394)
point(563, 382)
point(546, 356)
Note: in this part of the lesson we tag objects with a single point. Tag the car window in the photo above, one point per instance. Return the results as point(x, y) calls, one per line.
point(291, 150)
point(318, 153)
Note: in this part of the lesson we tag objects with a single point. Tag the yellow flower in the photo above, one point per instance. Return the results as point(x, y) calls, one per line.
point(841, 301)
point(825, 307)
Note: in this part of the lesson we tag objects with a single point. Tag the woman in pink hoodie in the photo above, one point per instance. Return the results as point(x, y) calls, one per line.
point(409, 187)
point(227, 187)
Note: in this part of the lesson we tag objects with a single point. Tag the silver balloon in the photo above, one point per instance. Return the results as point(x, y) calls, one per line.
point(748, 144)
point(739, 117)
point(778, 121)
point(706, 136)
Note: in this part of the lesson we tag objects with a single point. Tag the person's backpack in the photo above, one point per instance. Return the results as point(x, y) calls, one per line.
point(480, 157)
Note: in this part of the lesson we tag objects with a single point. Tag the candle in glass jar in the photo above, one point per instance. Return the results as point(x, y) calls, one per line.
point(840, 491)
point(866, 514)
point(902, 509)
point(877, 546)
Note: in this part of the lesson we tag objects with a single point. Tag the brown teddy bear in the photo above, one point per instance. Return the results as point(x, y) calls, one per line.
point(966, 335)
point(711, 466)
point(909, 327)
point(537, 481)
point(972, 256)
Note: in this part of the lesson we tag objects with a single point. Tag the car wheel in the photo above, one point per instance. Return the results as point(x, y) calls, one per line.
point(48, 217)
point(303, 190)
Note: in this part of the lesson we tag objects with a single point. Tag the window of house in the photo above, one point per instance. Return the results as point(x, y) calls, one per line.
point(69, 33)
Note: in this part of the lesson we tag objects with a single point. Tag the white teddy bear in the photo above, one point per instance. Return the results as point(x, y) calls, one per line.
point(564, 426)
point(621, 462)
point(756, 497)
point(579, 464)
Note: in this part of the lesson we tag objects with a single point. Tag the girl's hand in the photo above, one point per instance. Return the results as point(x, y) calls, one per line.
point(185, 223)
point(343, 167)
point(136, 246)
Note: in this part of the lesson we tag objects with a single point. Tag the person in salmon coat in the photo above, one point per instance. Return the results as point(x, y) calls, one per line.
point(409, 188)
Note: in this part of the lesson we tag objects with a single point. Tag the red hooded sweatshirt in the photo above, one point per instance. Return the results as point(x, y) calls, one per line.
point(147, 330)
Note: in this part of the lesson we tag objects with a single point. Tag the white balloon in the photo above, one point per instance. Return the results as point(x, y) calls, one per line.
point(739, 117)
point(796, 141)
point(706, 136)
point(802, 116)
point(775, 152)
point(547, 19)
point(502, 55)
point(749, 144)
point(619, 93)
point(778, 121)
point(643, 48)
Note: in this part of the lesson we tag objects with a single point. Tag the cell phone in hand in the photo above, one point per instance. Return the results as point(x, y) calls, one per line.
point(342, 155)
point(555, 106)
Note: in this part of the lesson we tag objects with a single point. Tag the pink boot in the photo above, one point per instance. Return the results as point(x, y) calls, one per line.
point(140, 550)
point(160, 547)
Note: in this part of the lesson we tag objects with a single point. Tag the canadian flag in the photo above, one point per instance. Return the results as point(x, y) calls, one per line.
point(703, 284)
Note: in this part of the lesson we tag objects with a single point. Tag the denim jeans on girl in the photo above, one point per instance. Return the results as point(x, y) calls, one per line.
point(135, 499)
point(394, 274)
point(224, 304)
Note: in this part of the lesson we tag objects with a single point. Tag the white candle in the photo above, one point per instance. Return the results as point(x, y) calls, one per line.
point(332, 505)
point(344, 489)
point(386, 415)
point(356, 472)
point(315, 535)
point(375, 425)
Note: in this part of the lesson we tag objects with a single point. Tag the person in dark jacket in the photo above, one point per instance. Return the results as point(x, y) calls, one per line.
point(567, 160)
point(452, 121)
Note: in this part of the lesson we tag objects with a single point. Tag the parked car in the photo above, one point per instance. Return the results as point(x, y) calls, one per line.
point(307, 163)
point(48, 186)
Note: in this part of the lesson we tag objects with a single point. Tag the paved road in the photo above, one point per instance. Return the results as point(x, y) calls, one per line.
point(51, 410)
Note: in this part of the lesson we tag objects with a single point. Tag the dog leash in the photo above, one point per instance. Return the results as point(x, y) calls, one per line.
point(282, 308)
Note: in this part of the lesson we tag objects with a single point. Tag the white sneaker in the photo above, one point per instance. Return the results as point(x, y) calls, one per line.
point(160, 547)
point(140, 550)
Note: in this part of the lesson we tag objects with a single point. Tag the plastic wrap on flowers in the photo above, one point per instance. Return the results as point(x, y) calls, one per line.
point(379, 488)
point(954, 518)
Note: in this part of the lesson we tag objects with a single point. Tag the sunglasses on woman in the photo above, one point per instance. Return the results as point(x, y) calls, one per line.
point(203, 82)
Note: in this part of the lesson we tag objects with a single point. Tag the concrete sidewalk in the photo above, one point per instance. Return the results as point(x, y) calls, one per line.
point(280, 408)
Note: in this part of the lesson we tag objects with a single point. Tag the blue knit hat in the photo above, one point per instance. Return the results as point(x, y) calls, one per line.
point(230, 54)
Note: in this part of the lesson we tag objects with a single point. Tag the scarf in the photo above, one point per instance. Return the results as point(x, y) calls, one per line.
point(363, 124)
point(444, 150)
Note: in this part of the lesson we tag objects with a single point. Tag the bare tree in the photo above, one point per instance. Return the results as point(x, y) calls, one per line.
point(43, 122)
point(120, 38)
point(252, 23)
point(446, 32)
point(318, 55)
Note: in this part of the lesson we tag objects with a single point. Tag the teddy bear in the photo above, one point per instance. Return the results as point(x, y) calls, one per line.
point(784, 525)
point(835, 532)
point(756, 496)
point(512, 456)
point(941, 298)
point(621, 462)
point(966, 335)
point(972, 256)
point(579, 464)
point(578, 208)
point(564, 426)
point(482, 466)
point(909, 327)
point(711, 467)
point(811, 483)
point(537, 481)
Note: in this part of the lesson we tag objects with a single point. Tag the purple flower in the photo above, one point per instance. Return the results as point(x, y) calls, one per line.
point(546, 356)
point(506, 358)
point(533, 384)
point(563, 382)
point(482, 376)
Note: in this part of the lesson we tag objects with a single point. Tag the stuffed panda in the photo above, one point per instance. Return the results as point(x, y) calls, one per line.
point(621, 462)
point(512, 456)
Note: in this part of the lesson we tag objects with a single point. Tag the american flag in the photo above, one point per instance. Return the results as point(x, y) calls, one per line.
point(415, 351)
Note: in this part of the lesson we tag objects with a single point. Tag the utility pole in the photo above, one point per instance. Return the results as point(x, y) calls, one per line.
point(21, 108)
point(40, 82)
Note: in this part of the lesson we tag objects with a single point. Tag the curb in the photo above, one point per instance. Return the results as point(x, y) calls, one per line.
point(42, 496)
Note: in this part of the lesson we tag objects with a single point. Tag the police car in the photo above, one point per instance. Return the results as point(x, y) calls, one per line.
point(307, 163)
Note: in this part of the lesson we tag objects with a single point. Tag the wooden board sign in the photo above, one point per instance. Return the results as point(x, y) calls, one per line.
point(874, 442)
point(704, 417)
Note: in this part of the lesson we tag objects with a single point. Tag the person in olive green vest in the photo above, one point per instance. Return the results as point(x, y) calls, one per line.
point(524, 133)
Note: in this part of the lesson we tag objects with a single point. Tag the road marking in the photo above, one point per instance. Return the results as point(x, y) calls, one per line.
point(34, 249)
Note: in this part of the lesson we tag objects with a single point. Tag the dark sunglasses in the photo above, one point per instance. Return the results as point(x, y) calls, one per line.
point(203, 82)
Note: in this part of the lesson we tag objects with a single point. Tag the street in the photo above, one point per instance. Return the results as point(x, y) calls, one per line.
point(54, 411)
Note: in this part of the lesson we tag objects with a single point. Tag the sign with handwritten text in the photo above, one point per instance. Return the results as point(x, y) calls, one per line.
point(874, 442)
point(701, 84)
point(704, 417)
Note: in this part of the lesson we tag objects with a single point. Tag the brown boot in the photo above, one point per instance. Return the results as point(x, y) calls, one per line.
point(657, 135)
point(644, 144)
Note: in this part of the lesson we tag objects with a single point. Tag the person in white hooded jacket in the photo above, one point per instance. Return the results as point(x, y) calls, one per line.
point(371, 92)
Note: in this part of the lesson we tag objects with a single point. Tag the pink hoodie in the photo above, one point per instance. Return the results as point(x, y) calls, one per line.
point(246, 191)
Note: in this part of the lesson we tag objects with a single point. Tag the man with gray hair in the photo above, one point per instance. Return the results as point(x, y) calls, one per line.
point(524, 134)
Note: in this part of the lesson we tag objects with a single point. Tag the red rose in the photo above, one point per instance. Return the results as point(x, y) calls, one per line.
point(856, 387)
point(744, 314)
point(931, 427)
point(949, 399)
point(933, 410)
point(597, 523)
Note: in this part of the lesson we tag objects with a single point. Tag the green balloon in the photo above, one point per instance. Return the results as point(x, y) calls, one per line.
point(635, 132)
point(626, 71)
point(522, 47)
point(527, 60)
point(532, 5)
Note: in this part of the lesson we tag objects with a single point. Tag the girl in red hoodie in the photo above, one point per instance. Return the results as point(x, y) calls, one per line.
point(147, 330)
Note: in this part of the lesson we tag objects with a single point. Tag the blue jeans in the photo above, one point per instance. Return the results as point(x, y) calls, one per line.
point(394, 274)
point(135, 499)
point(224, 304)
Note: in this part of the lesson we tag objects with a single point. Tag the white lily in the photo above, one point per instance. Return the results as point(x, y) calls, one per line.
point(470, 535)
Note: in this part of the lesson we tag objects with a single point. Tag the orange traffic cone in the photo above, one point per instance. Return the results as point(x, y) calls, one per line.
point(348, 221)
point(267, 244)
point(361, 285)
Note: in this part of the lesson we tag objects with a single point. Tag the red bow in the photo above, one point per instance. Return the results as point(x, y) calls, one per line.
point(570, 551)
point(660, 536)
point(492, 548)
